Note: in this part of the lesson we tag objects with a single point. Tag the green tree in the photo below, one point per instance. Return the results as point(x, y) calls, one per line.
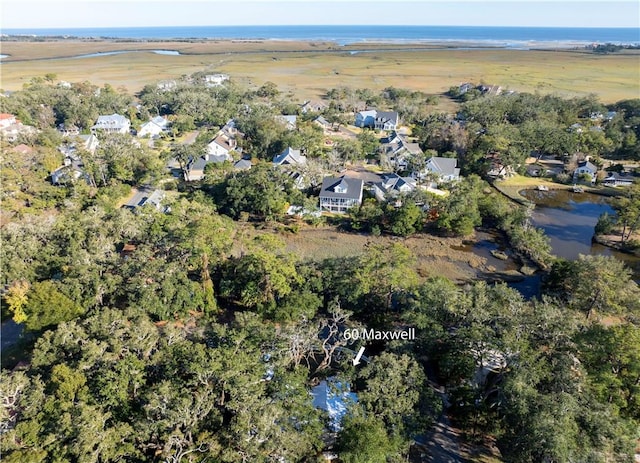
point(460, 213)
point(383, 271)
point(47, 306)
point(406, 219)
point(364, 439)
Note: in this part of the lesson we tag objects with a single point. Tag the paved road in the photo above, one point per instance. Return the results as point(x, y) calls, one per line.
point(442, 444)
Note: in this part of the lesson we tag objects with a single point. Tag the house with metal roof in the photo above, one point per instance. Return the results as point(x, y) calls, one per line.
point(443, 169)
point(114, 123)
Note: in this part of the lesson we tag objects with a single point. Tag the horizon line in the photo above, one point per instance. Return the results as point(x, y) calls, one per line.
point(317, 25)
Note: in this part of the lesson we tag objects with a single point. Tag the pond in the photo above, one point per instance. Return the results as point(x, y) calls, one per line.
point(568, 219)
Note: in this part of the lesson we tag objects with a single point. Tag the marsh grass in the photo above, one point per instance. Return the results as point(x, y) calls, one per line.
point(307, 70)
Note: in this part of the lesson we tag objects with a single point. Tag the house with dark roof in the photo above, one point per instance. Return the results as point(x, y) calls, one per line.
point(292, 161)
point(386, 120)
point(339, 194)
point(194, 170)
point(614, 179)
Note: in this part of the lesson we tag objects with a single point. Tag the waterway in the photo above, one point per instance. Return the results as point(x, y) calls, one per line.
point(120, 52)
point(568, 219)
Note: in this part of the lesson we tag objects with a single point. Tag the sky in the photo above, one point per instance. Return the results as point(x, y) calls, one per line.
point(148, 13)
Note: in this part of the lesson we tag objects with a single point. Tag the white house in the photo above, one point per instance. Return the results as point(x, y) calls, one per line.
point(386, 120)
point(340, 194)
point(334, 397)
point(7, 120)
point(153, 127)
point(392, 185)
point(379, 120)
point(585, 168)
point(219, 149)
point(445, 169)
point(215, 80)
point(398, 150)
point(115, 123)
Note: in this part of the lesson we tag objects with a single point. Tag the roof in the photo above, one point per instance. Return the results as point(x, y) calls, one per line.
point(321, 120)
point(146, 197)
point(614, 176)
point(587, 165)
point(444, 166)
point(197, 164)
point(243, 164)
point(387, 116)
point(368, 113)
point(289, 120)
point(341, 187)
point(159, 121)
point(113, 120)
point(6, 116)
point(333, 397)
point(223, 141)
point(395, 182)
point(290, 156)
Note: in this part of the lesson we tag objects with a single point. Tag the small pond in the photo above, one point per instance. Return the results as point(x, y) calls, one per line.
point(568, 219)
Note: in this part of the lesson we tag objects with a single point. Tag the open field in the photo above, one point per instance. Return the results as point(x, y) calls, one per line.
point(308, 69)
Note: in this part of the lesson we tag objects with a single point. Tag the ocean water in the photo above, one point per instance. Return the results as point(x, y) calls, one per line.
point(517, 37)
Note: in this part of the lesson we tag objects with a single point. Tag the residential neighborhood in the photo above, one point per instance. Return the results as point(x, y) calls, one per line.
point(222, 270)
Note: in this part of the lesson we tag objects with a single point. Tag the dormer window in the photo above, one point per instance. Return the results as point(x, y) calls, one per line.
point(341, 187)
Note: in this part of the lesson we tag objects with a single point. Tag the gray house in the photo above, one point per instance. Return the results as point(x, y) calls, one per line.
point(340, 194)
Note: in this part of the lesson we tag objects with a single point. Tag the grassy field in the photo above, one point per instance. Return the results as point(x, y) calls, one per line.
point(306, 70)
point(435, 256)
